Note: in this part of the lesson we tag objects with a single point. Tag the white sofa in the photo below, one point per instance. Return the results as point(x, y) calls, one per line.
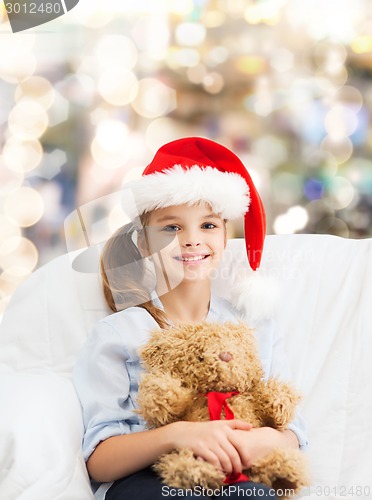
point(325, 309)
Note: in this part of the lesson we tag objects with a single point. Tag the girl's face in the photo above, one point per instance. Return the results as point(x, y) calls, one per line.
point(185, 242)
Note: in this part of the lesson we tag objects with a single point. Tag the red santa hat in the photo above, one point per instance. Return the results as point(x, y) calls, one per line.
point(195, 169)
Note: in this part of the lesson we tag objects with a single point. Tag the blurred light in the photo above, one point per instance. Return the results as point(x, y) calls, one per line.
point(154, 99)
point(21, 259)
point(8, 284)
point(333, 225)
point(190, 34)
point(163, 130)
point(25, 206)
point(271, 149)
point(110, 134)
point(97, 15)
point(196, 74)
point(28, 120)
point(341, 149)
point(110, 145)
point(286, 188)
point(8, 230)
point(214, 18)
point(187, 58)
point(313, 189)
point(213, 83)
point(362, 44)
point(267, 12)
point(319, 209)
point(132, 174)
point(341, 193)
point(151, 35)
point(360, 219)
point(22, 156)
point(282, 60)
point(51, 164)
point(340, 122)
point(17, 61)
point(326, 21)
point(51, 193)
point(329, 57)
point(116, 51)
point(58, 112)
point(38, 89)
point(318, 158)
point(351, 96)
point(118, 86)
point(180, 7)
point(359, 172)
point(293, 220)
point(251, 65)
point(9, 179)
point(216, 56)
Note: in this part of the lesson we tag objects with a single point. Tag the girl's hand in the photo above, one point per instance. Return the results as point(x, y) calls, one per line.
point(212, 442)
point(259, 442)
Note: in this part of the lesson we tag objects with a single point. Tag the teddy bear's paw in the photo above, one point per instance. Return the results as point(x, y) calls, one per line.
point(162, 399)
point(285, 470)
point(279, 402)
point(180, 469)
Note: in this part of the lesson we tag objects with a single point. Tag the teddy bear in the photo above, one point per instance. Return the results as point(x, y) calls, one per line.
point(204, 371)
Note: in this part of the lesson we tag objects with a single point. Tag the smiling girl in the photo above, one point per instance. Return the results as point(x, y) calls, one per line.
point(181, 204)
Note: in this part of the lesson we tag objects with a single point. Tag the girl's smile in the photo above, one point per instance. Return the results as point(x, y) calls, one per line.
point(192, 258)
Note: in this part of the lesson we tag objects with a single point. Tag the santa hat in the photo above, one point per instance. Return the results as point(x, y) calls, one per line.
point(195, 169)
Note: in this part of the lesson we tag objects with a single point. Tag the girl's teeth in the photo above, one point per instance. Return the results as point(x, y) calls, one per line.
point(190, 259)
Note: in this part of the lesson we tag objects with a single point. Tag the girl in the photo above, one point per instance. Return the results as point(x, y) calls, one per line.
point(178, 208)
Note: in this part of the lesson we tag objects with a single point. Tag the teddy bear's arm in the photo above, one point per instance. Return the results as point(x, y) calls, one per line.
point(277, 402)
point(162, 399)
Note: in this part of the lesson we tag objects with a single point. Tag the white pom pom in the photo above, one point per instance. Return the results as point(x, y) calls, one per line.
point(256, 297)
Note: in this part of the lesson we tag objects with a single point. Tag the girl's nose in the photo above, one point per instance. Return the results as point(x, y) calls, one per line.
point(190, 244)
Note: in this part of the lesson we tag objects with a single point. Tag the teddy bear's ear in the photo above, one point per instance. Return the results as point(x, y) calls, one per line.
point(151, 355)
point(154, 351)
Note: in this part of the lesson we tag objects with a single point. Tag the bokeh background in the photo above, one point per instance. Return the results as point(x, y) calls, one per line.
point(88, 98)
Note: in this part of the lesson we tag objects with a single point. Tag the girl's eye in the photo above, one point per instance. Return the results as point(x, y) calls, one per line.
point(171, 228)
point(208, 225)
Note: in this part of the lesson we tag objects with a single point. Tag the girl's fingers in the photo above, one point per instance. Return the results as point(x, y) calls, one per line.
point(239, 424)
point(212, 458)
point(235, 463)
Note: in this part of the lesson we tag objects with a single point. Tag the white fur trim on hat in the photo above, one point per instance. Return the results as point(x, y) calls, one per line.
point(226, 192)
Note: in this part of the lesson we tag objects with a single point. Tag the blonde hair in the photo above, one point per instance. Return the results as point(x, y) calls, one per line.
point(123, 274)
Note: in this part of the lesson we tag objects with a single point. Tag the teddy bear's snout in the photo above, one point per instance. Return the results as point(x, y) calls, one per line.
point(225, 356)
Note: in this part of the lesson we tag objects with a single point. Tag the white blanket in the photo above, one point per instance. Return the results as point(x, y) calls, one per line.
point(326, 298)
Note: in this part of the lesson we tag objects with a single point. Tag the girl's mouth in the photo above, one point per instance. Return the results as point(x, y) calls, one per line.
point(191, 258)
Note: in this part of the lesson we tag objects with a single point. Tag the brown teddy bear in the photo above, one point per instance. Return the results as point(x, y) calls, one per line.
point(209, 371)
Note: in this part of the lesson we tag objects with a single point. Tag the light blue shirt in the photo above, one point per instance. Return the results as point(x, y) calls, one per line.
point(107, 372)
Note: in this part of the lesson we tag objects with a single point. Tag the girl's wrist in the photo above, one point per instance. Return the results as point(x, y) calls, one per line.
point(172, 432)
point(289, 439)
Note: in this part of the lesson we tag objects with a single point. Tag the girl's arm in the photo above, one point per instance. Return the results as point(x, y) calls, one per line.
point(119, 456)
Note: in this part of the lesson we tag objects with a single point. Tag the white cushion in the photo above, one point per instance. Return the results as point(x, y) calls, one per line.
point(40, 439)
point(326, 285)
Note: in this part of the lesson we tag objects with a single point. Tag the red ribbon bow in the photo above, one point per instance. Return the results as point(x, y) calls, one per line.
point(216, 403)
